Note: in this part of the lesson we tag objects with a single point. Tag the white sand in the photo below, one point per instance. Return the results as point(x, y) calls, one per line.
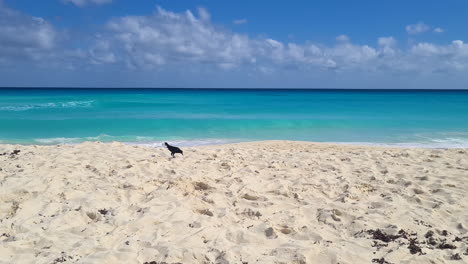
point(264, 202)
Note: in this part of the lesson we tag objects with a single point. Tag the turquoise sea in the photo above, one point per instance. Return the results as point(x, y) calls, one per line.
point(427, 118)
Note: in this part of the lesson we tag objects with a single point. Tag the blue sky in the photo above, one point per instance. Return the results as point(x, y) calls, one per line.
point(220, 43)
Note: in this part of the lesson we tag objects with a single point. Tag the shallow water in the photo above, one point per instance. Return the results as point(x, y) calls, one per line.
point(206, 116)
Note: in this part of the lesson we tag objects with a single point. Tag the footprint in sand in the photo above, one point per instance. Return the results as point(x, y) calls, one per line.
point(93, 216)
point(270, 233)
point(205, 212)
point(290, 254)
point(201, 186)
point(250, 213)
point(329, 217)
point(250, 197)
point(286, 230)
point(225, 166)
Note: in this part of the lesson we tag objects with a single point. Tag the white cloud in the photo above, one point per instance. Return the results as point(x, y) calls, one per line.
point(82, 3)
point(352, 56)
point(191, 43)
point(430, 58)
point(387, 46)
point(204, 14)
point(176, 38)
point(438, 30)
point(240, 21)
point(342, 38)
point(274, 43)
point(386, 41)
point(417, 28)
point(183, 39)
point(23, 36)
point(101, 53)
point(458, 49)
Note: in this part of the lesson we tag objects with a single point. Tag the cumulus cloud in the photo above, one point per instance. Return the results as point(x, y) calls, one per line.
point(170, 38)
point(417, 28)
point(456, 50)
point(82, 3)
point(240, 21)
point(191, 42)
point(204, 14)
point(101, 52)
point(25, 37)
point(438, 30)
point(342, 38)
point(167, 38)
point(386, 41)
point(442, 58)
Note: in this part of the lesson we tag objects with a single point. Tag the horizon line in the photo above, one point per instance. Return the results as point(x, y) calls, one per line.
point(250, 88)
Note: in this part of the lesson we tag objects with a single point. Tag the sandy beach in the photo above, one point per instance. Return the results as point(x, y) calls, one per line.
point(260, 202)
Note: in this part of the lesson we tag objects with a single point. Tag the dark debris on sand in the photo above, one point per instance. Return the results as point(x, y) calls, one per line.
point(414, 247)
point(163, 262)
point(379, 235)
point(63, 258)
point(380, 261)
point(12, 154)
point(59, 260)
point(440, 240)
point(103, 211)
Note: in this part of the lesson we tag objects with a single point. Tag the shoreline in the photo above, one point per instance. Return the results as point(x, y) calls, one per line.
point(221, 142)
point(259, 202)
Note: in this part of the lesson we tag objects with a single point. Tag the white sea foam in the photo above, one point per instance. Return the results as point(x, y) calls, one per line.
point(186, 143)
point(25, 107)
point(435, 143)
point(442, 144)
point(436, 140)
point(139, 140)
point(60, 140)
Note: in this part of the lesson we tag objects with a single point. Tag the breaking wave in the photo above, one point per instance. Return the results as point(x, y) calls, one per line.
point(137, 140)
point(26, 107)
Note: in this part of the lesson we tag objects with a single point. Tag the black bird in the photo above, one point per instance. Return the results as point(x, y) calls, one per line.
point(173, 149)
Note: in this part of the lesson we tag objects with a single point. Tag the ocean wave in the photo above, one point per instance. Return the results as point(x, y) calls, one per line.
point(134, 140)
point(186, 143)
point(60, 140)
point(243, 116)
point(434, 141)
point(435, 144)
point(150, 142)
point(76, 140)
point(26, 107)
